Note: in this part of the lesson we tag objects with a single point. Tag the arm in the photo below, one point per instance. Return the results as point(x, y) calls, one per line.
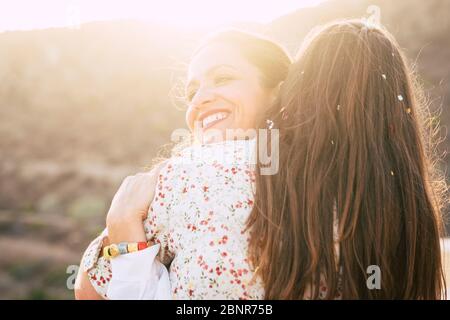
point(84, 289)
point(94, 273)
point(137, 275)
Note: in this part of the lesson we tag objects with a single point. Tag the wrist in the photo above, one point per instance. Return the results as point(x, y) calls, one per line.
point(126, 231)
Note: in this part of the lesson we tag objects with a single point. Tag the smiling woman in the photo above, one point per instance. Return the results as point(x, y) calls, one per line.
point(232, 79)
point(233, 76)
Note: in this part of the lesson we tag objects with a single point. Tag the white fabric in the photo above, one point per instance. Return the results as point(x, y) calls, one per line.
point(133, 281)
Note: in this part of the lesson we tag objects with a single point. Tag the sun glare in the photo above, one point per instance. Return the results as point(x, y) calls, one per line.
point(30, 14)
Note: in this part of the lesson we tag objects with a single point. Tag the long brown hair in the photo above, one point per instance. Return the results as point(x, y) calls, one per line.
point(352, 150)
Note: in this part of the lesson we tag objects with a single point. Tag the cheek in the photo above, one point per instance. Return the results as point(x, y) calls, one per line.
point(253, 103)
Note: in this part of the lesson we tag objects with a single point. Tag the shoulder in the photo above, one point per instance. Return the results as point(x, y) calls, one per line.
point(218, 161)
point(214, 173)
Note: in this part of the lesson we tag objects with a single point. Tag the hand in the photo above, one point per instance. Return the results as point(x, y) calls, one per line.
point(130, 206)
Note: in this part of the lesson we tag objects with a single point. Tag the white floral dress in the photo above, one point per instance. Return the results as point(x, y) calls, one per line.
point(202, 200)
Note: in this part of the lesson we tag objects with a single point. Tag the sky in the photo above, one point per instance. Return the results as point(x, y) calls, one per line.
point(40, 14)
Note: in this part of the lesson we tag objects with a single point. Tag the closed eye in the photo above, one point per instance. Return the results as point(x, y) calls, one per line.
point(223, 79)
point(217, 81)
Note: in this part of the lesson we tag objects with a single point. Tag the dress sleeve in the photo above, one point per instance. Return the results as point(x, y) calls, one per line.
point(139, 276)
point(98, 268)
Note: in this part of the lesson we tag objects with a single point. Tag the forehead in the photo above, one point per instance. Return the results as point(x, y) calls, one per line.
point(214, 55)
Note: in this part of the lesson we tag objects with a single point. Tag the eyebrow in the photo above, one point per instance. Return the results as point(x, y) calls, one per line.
point(209, 72)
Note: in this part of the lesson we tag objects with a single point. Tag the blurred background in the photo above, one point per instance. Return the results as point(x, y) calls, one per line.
point(88, 95)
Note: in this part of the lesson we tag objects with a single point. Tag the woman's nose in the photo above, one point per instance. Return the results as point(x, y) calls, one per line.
point(202, 98)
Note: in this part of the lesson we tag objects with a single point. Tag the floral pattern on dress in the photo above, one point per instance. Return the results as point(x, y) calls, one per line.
point(198, 215)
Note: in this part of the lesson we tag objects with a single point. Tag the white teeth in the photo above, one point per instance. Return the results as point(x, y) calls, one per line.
point(214, 117)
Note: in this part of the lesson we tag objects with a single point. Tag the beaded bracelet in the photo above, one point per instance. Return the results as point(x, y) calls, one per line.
point(115, 250)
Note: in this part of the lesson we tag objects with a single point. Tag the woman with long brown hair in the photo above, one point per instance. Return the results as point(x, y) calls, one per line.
point(355, 158)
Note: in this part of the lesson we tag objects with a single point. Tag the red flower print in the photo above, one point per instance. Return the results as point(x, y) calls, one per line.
point(224, 254)
point(205, 189)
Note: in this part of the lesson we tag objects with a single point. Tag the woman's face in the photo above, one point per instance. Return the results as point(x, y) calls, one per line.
point(223, 92)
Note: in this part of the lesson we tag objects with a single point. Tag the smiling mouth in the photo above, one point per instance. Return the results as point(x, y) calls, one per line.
point(212, 119)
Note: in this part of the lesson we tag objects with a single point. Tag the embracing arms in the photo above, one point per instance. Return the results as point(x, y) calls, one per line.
point(124, 223)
